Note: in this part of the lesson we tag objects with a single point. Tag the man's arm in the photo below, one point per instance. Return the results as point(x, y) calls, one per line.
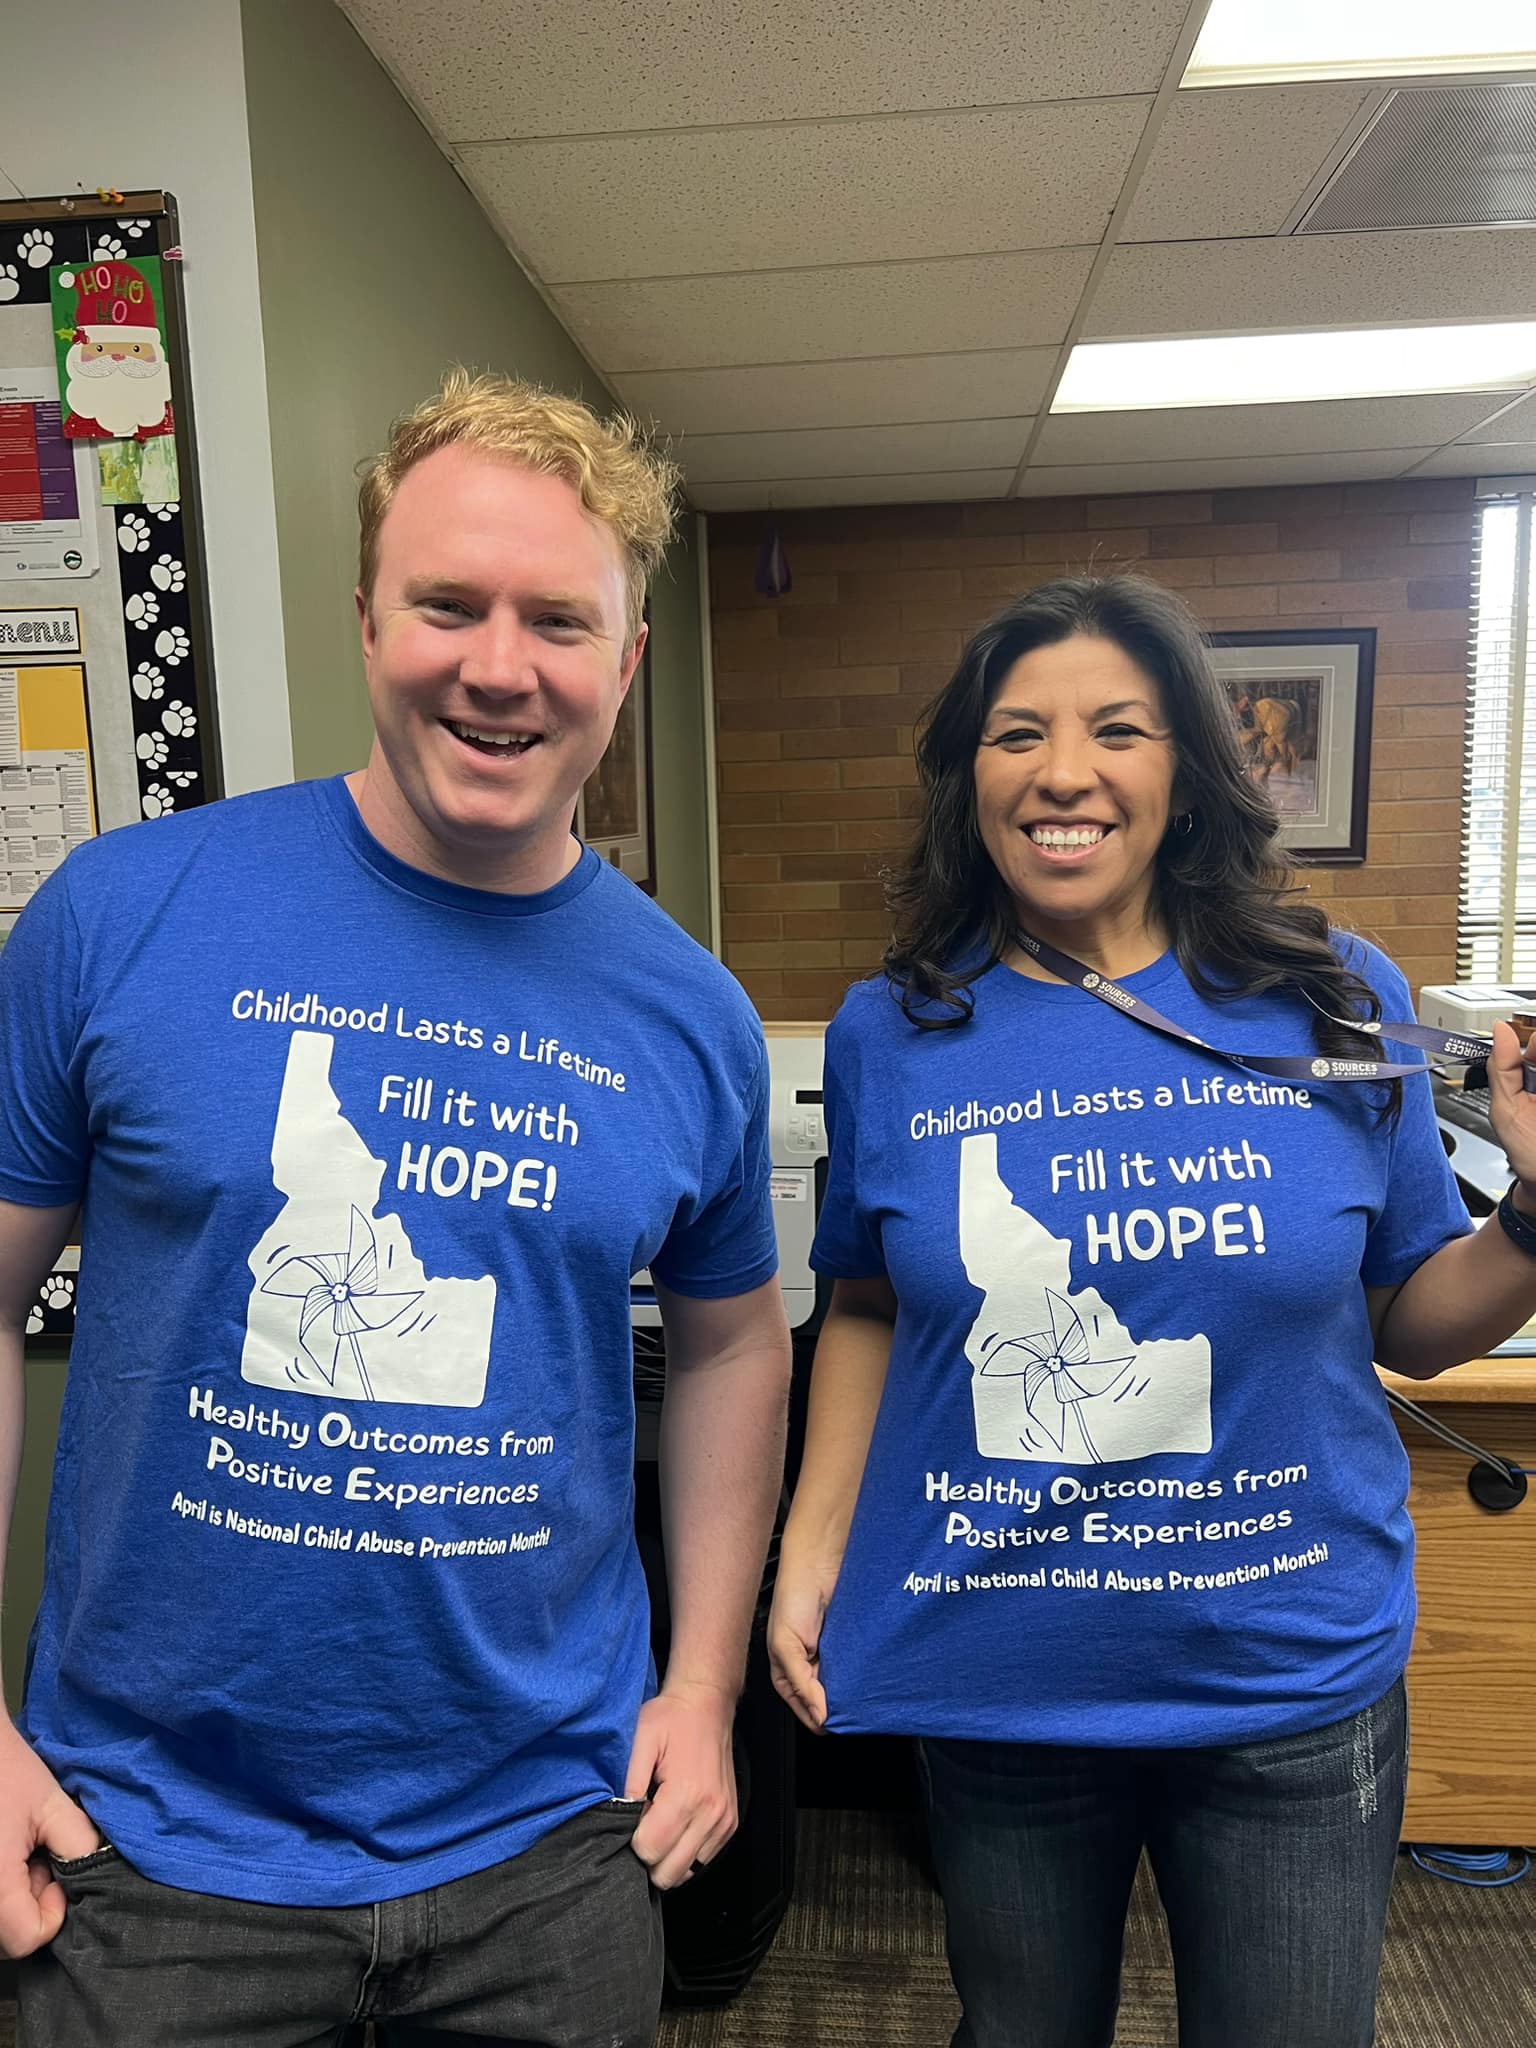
point(35, 1812)
point(721, 1472)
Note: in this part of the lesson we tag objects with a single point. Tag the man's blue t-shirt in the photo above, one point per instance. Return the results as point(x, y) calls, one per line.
point(342, 1597)
point(1133, 1482)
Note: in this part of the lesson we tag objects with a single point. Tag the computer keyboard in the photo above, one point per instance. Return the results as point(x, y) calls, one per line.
point(1476, 1156)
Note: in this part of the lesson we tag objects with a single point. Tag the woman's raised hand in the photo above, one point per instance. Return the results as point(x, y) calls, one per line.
point(1511, 1110)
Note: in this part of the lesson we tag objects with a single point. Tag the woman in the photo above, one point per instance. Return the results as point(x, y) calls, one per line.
point(1101, 1498)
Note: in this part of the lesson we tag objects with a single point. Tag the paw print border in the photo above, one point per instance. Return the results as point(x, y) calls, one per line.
point(175, 779)
point(23, 242)
point(53, 1313)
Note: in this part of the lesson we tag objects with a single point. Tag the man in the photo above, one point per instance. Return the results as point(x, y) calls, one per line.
point(376, 1092)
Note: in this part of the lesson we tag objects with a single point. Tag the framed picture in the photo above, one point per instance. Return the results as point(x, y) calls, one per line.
point(614, 815)
point(1302, 701)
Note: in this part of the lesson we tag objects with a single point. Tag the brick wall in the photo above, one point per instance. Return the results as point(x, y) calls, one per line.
point(816, 692)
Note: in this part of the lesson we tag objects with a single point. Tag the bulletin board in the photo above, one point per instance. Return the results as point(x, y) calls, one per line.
point(107, 710)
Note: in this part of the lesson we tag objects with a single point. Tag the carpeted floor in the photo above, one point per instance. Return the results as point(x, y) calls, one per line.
point(859, 1961)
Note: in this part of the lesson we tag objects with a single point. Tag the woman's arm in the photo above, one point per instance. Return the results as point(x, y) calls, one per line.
point(847, 1380)
point(1478, 1290)
point(1460, 1303)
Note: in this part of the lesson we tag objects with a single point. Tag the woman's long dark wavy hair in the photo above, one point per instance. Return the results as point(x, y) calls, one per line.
point(1230, 897)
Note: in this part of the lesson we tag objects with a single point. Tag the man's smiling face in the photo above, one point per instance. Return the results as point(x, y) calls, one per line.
point(494, 646)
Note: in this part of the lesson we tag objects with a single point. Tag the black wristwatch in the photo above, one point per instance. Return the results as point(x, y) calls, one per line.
point(1520, 1230)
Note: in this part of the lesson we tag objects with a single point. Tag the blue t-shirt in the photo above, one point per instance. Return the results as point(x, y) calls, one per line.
point(1133, 1482)
point(342, 1597)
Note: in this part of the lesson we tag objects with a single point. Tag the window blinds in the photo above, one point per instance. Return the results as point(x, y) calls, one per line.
point(1496, 928)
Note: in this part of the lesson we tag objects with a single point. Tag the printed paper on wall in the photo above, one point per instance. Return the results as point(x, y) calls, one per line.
point(46, 800)
point(109, 331)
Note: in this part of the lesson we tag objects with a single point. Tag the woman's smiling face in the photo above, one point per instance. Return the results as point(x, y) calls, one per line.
point(1075, 779)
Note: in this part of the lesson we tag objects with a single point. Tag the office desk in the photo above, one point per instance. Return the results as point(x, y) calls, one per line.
point(1472, 1676)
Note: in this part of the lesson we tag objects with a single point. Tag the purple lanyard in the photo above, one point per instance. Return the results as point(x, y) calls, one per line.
point(1451, 1044)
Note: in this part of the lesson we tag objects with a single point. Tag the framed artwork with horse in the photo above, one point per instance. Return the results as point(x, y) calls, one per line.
point(1302, 703)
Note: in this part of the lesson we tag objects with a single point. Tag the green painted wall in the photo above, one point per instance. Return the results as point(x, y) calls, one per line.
point(46, 1363)
point(379, 270)
point(677, 738)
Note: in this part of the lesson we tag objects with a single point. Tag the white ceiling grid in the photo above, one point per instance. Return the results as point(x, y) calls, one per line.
point(839, 251)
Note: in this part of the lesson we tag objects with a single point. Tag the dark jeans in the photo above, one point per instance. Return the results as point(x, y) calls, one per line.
point(559, 1948)
point(1274, 1862)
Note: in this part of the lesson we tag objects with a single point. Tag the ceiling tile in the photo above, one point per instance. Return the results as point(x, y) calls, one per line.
point(1234, 162)
point(853, 451)
point(1475, 458)
point(1516, 423)
point(763, 198)
point(977, 302)
point(482, 71)
point(877, 391)
point(1188, 432)
point(825, 154)
point(930, 487)
point(1110, 479)
point(1316, 281)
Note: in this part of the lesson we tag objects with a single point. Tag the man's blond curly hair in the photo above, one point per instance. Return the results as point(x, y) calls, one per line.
point(622, 480)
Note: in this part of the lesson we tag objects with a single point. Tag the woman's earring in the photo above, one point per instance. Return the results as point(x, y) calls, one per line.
point(1184, 823)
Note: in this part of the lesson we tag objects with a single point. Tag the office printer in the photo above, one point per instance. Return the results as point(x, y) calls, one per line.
point(1477, 1159)
point(797, 1133)
point(1472, 1005)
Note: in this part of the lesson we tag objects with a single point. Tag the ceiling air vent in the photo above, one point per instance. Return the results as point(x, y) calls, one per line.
point(1458, 156)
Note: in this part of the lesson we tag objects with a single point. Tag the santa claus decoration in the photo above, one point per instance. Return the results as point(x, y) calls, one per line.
point(117, 380)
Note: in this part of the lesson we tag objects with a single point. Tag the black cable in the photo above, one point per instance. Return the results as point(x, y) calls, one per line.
point(1449, 1436)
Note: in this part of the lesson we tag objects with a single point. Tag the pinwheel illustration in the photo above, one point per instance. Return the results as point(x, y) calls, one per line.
point(1058, 1373)
point(340, 1293)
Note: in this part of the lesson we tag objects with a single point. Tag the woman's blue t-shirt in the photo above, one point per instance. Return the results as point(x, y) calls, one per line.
point(1133, 1481)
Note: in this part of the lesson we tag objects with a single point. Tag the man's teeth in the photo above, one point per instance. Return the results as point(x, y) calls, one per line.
point(516, 741)
point(1073, 835)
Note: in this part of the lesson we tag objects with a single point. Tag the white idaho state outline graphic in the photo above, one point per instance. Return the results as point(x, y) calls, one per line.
point(341, 1306)
point(1056, 1377)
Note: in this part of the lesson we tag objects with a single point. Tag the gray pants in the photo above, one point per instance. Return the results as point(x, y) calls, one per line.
point(559, 1948)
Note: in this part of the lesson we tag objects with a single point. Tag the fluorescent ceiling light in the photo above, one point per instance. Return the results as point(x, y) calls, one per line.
point(1281, 369)
point(1257, 42)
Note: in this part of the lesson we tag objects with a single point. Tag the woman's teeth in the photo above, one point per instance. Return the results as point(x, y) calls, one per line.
point(1073, 835)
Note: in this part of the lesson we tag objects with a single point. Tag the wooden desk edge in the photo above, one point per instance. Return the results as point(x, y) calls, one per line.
point(1480, 1382)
